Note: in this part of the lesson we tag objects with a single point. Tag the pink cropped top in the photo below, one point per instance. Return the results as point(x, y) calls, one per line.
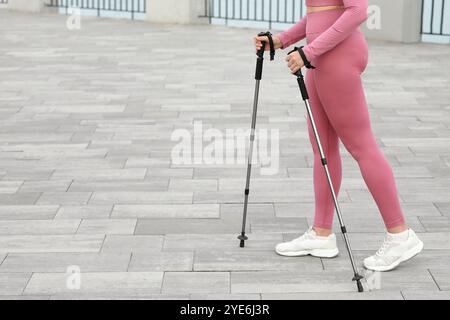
point(354, 14)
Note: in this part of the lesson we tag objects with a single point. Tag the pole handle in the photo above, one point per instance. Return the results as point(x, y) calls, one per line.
point(261, 51)
point(269, 36)
point(260, 61)
point(302, 85)
point(301, 80)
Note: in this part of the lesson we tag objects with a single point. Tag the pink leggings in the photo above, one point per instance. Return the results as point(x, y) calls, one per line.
point(340, 110)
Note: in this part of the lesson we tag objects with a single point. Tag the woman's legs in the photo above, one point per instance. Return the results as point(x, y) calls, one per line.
point(324, 204)
point(342, 95)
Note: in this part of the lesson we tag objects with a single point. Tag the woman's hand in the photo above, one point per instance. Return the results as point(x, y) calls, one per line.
point(258, 43)
point(295, 62)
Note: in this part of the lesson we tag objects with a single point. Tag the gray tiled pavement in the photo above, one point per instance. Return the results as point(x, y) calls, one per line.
point(86, 178)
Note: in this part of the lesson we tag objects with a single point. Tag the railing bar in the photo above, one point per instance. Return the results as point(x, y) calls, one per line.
point(421, 17)
point(240, 9)
point(293, 11)
point(233, 8)
point(226, 12)
point(270, 14)
point(211, 3)
point(278, 11)
point(432, 16)
point(262, 9)
point(248, 9)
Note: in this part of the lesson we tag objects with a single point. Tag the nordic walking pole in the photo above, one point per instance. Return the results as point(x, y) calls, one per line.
point(301, 83)
point(258, 76)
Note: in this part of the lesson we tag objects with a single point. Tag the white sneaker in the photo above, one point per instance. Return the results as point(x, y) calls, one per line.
point(397, 248)
point(309, 244)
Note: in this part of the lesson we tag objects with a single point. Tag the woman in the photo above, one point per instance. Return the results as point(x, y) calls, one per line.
point(338, 50)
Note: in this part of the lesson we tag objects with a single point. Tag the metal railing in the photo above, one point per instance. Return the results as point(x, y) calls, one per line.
point(436, 17)
point(132, 7)
point(268, 11)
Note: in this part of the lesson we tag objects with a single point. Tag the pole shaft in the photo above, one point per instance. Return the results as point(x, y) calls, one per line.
point(330, 183)
point(250, 154)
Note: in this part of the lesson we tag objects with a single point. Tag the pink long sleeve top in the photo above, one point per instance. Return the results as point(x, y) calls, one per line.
point(354, 15)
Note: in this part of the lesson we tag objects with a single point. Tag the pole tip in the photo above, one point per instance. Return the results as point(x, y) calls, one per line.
point(242, 244)
point(360, 286)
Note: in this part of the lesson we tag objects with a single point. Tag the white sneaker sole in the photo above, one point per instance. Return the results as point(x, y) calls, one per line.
point(318, 253)
point(411, 253)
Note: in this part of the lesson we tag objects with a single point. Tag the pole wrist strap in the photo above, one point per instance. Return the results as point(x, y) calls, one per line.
point(271, 44)
point(307, 64)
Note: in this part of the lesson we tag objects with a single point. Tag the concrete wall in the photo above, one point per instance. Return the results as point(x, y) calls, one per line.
point(176, 11)
point(32, 6)
point(399, 20)
point(27, 5)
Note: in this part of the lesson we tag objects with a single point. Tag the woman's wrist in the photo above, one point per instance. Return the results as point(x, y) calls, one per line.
point(280, 38)
point(277, 42)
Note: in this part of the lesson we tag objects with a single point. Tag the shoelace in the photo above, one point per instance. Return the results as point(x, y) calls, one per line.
point(306, 235)
point(386, 244)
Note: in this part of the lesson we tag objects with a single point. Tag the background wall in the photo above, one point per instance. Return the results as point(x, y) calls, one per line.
point(26, 5)
point(176, 11)
point(400, 20)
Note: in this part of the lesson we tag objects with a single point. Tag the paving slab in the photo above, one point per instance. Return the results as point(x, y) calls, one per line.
point(257, 241)
point(27, 212)
point(107, 226)
point(109, 283)
point(161, 261)
point(217, 296)
point(194, 211)
point(245, 260)
point(183, 226)
point(442, 277)
point(13, 283)
point(84, 212)
point(290, 281)
point(60, 262)
point(128, 197)
point(426, 295)
point(36, 227)
point(196, 282)
point(132, 243)
point(51, 243)
point(372, 295)
point(118, 296)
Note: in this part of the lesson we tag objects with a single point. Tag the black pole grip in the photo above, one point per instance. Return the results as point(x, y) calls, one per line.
point(260, 61)
point(302, 85)
point(261, 51)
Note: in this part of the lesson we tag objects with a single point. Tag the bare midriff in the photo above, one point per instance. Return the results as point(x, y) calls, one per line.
point(323, 8)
